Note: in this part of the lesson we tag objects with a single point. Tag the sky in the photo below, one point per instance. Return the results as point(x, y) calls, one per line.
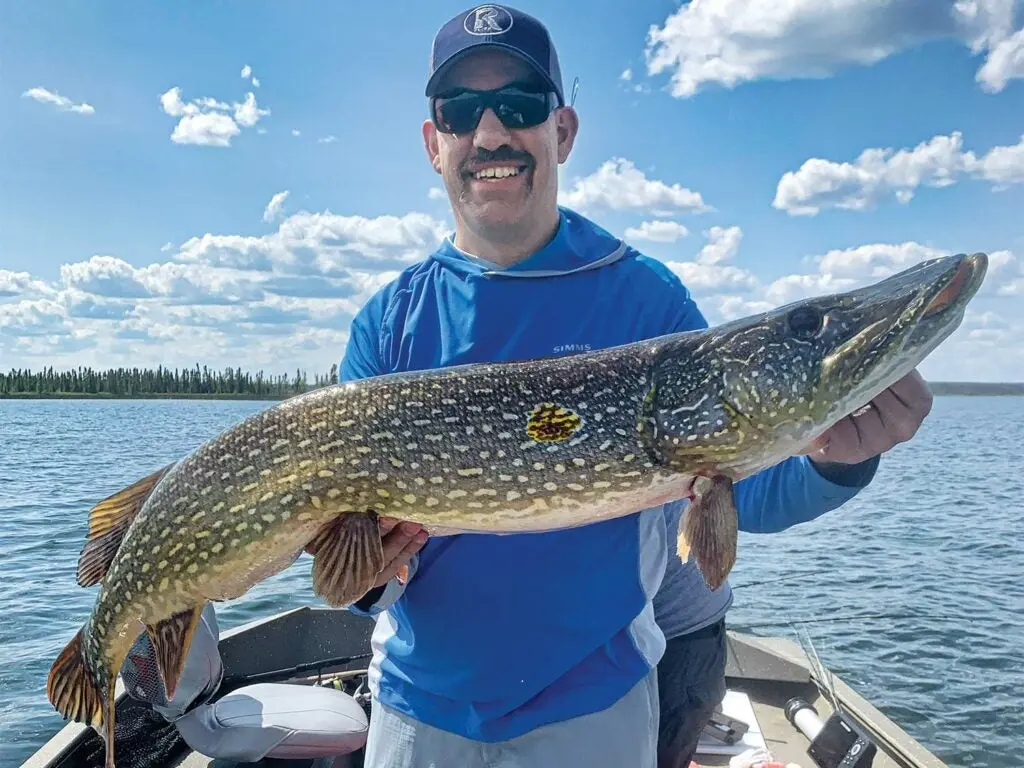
point(227, 184)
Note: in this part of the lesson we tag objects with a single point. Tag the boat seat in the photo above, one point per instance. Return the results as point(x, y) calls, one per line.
point(256, 721)
point(278, 721)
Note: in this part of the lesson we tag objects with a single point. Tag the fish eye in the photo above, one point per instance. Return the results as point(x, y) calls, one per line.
point(805, 322)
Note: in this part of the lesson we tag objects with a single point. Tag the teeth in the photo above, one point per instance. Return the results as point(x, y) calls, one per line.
point(497, 173)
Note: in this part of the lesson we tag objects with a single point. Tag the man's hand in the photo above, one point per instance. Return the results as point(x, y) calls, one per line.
point(401, 542)
point(891, 418)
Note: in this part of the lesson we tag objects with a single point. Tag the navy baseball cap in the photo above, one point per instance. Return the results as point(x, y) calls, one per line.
point(495, 26)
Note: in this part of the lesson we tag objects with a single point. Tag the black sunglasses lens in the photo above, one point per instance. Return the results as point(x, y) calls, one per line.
point(522, 110)
point(515, 108)
point(459, 114)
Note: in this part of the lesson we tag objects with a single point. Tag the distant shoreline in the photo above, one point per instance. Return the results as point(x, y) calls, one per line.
point(145, 396)
point(938, 388)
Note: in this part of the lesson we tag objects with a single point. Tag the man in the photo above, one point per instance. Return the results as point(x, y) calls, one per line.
point(542, 649)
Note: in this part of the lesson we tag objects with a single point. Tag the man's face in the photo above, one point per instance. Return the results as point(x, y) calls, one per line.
point(524, 190)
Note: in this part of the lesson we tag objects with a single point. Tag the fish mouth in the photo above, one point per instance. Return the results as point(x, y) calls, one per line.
point(910, 315)
point(941, 307)
point(958, 287)
point(917, 309)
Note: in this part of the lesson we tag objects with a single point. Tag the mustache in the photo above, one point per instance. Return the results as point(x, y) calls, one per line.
point(503, 153)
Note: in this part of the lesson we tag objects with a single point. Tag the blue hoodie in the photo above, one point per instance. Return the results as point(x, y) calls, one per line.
point(494, 636)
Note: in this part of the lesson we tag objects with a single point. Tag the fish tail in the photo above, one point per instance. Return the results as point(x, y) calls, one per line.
point(73, 691)
point(709, 530)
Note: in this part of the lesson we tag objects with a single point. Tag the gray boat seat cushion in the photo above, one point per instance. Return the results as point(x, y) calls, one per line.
point(278, 721)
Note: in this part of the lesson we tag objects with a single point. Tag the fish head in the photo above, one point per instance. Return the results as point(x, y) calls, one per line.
point(743, 396)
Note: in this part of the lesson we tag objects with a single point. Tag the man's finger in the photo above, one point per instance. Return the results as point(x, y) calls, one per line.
point(386, 524)
point(873, 436)
point(837, 441)
point(399, 537)
point(899, 421)
point(913, 391)
point(400, 559)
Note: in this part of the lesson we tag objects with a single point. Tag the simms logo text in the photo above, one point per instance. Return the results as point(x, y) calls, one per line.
point(571, 348)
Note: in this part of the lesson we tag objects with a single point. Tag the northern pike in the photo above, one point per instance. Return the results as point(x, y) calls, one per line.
point(506, 447)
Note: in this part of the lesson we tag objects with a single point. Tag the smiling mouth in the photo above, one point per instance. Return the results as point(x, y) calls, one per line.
point(497, 173)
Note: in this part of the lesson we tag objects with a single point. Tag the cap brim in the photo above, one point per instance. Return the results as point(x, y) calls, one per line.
point(441, 71)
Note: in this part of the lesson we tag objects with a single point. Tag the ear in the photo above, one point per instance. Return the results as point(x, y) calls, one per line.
point(567, 125)
point(430, 144)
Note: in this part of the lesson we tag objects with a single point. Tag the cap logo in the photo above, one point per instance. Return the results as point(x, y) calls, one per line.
point(488, 20)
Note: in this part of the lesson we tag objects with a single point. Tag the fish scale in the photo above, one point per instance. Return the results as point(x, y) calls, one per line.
point(488, 448)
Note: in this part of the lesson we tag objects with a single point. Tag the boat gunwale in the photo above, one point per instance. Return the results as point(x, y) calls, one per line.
point(787, 665)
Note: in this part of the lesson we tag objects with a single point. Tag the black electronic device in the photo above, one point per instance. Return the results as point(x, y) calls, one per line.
point(835, 743)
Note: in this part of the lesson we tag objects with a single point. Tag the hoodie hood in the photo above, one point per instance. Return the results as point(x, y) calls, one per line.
point(578, 245)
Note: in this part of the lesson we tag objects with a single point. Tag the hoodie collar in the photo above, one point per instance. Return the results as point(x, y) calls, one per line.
point(578, 245)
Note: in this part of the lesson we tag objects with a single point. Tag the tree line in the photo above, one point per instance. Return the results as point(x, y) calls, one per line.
point(201, 381)
point(159, 382)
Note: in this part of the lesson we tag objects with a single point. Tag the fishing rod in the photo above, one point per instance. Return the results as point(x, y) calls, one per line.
point(236, 681)
point(790, 577)
point(848, 617)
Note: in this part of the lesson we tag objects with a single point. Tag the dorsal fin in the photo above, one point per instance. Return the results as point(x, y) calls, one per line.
point(108, 522)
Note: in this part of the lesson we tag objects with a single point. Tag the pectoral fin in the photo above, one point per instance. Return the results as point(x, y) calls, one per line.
point(171, 639)
point(108, 522)
point(347, 556)
point(709, 529)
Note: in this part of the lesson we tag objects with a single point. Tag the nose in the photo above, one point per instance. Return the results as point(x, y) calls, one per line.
point(491, 133)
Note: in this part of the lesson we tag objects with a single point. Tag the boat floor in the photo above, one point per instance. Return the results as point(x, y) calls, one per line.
point(769, 670)
point(770, 673)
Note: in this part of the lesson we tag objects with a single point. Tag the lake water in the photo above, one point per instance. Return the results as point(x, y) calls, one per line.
point(935, 541)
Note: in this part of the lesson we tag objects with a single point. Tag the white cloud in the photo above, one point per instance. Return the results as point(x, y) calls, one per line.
point(878, 173)
point(104, 276)
point(723, 242)
point(657, 231)
point(627, 75)
point(285, 299)
point(208, 129)
point(247, 74)
point(1004, 63)
point(321, 243)
point(208, 122)
point(296, 132)
point(274, 206)
point(277, 301)
point(730, 42)
point(248, 113)
point(327, 139)
point(436, 193)
point(63, 103)
point(618, 184)
point(33, 317)
point(20, 284)
point(1002, 165)
point(709, 276)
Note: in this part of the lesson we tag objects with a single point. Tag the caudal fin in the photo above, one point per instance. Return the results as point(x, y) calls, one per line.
point(73, 692)
point(709, 529)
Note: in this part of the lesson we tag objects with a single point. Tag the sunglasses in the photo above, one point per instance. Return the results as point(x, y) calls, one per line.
point(516, 106)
